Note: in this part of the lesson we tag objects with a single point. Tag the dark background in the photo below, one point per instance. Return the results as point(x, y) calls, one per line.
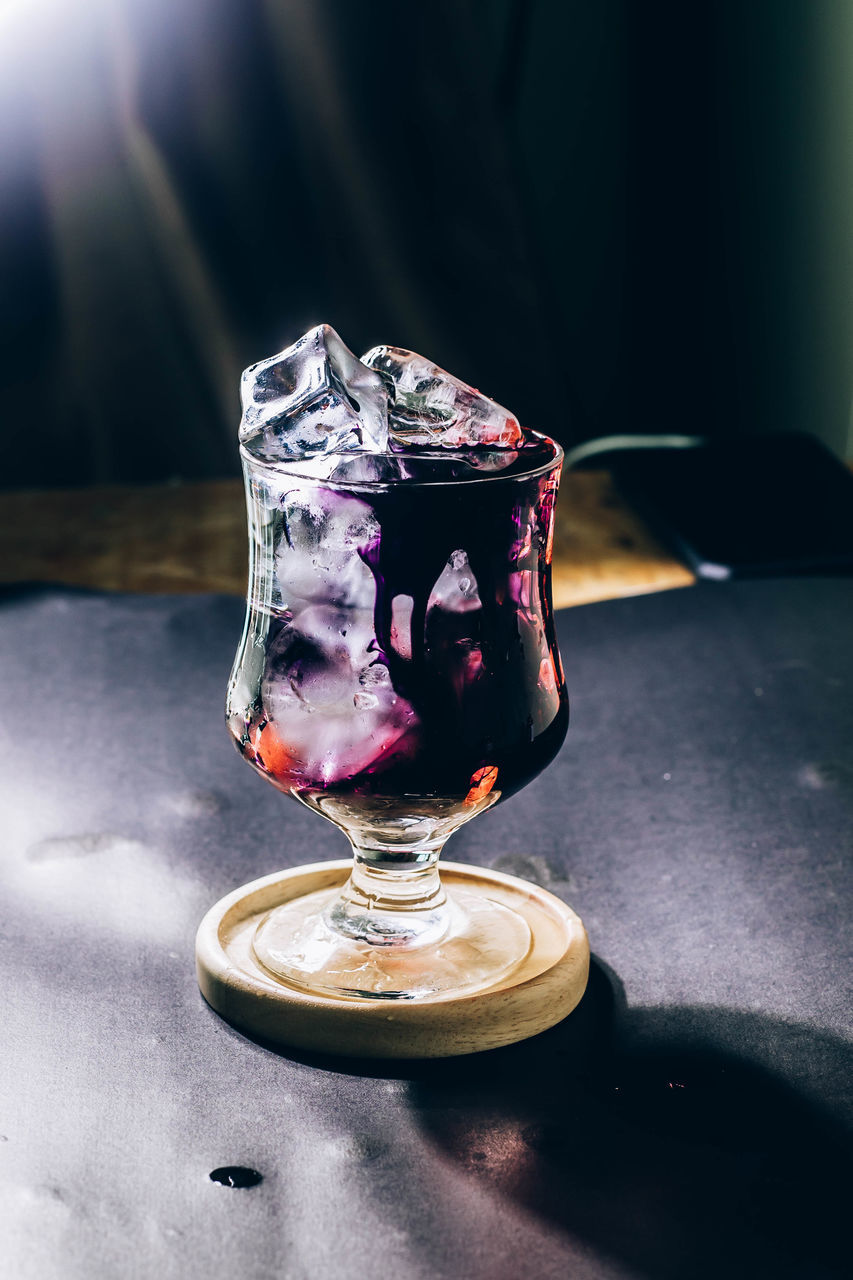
point(611, 216)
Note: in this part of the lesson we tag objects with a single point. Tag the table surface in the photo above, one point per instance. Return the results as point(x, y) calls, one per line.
point(688, 1120)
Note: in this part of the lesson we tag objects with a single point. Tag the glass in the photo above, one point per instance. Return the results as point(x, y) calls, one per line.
point(399, 674)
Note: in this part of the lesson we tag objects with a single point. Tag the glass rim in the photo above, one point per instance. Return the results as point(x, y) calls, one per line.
point(290, 469)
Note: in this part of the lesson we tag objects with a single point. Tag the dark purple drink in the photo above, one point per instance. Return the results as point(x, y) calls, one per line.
point(399, 663)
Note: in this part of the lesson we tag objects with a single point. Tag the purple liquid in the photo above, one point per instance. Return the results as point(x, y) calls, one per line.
point(417, 664)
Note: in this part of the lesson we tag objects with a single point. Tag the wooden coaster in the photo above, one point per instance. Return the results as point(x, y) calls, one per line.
point(538, 994)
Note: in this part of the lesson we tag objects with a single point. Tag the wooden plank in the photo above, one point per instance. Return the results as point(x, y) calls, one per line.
point(192, 538)
point(163, 538)
point(602, 549)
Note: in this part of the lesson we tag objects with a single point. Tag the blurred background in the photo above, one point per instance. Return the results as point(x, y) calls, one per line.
point(610, 216)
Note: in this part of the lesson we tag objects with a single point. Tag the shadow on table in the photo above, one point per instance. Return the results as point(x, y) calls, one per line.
point(654, 1136)
point(662, 1138)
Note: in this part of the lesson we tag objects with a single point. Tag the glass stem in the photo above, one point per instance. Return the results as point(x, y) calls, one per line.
point(392, 899)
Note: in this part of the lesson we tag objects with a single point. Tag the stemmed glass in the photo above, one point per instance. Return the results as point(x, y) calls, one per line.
point(399, 675)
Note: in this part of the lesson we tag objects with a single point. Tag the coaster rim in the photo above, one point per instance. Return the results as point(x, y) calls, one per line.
point(541, 992)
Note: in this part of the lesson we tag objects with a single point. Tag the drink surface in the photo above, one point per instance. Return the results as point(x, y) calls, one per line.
point(410, 466)
point(399, 655)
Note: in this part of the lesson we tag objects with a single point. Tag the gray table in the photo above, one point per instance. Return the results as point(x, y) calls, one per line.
point(686, 1121)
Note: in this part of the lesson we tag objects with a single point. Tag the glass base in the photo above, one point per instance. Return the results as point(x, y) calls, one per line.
point(470, 944)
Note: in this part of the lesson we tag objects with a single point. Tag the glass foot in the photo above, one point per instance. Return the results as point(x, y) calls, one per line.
point(470, 944)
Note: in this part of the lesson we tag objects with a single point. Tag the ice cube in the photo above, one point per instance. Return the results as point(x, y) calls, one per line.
point(321, 553)
point(427, 406)
point(314, 398)
point(456, 589)
point(492, 459)
point(326, 719)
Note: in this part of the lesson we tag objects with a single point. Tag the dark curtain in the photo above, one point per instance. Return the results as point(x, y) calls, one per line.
point(605, 215)
point(196, 184)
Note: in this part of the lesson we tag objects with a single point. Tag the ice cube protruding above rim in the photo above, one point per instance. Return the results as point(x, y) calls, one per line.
point(316, 397)
point(429, 406)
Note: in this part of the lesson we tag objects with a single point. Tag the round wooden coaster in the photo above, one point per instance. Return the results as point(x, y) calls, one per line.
point(539, 993)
